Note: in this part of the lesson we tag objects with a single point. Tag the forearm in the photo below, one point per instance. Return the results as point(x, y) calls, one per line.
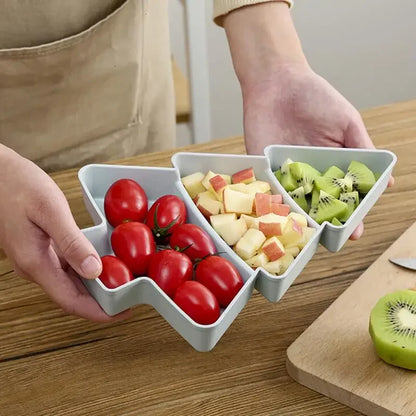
point(262, 38)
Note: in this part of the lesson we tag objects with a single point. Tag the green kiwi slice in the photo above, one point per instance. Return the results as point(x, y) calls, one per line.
point(315, 197)
point(336, 221)
point(327, 208)
point(298, 196)
point(362, 177)
point(278, 175)
point(393, 328)
point(352, 199)
point(333, 186)
point(304, 174)
point(334, 172)
point(287, 180)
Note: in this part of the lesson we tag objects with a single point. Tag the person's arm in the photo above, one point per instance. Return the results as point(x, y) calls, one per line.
point(284, 100)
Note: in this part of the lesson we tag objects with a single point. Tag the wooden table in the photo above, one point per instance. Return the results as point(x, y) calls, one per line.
point(53, 364)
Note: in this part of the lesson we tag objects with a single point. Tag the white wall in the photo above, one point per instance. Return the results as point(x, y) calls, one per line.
point(366, 49)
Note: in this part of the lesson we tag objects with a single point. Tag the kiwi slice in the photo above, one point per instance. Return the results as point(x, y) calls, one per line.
point(393, 328)
point(334, 172)
point(362, 177)
point(352, 199)
point(327, 208)
point(304, 174)
point(298, 196)
point(333, 186)
point(336, 221)
point(315, 197)
point(278, 175)
point(287, 180)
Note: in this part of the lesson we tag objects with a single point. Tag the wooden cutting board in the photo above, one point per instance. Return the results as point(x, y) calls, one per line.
point(335, 355)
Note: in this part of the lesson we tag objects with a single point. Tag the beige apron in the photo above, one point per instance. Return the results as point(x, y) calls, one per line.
point(85, 80)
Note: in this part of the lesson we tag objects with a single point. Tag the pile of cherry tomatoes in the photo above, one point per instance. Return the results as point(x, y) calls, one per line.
point(157, 242)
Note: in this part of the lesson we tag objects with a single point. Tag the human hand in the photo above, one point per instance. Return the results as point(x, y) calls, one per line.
point(284, 100)
point(42, 240)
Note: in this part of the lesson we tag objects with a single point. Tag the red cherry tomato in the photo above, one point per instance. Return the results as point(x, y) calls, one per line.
point(125, 200)
point(193, 241)
point(133, 243)
point(198, 302)
point(165, 215)
point(169, 269)
point(221, 277)
point(115, 273)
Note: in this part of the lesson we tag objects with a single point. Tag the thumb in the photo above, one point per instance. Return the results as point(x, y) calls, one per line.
point(356, 134)
point(56, 220)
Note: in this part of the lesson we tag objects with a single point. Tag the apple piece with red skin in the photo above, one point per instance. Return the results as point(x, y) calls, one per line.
point(300, 219)
point(207, 204)
point(273, 248)
point(276, 199)
point(244, 176)
point(272, 224)
point(280, 265)
point(217, 185)
point(280, 209)
point(292, 233)
point(262, 204)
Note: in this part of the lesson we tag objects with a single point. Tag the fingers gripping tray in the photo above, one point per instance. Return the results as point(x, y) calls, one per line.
point(96, 179)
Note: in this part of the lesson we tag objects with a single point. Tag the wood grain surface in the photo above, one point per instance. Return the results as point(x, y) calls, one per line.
point(349, 370)
point(53, 364)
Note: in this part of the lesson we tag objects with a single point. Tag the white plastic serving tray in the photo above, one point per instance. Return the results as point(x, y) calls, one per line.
point(96, 179)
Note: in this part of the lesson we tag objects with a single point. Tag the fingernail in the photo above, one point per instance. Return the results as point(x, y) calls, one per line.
point(91, 267)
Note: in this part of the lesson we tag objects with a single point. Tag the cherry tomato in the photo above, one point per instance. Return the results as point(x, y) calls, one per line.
point(115, 273)
point(125, 200)
point(133, 243)
point(198, 302)
point(165, 215)
point(221, 277)
point(169, 269)
point(193, 241)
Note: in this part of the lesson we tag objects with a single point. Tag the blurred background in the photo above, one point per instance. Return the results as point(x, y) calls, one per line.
point(366, 49)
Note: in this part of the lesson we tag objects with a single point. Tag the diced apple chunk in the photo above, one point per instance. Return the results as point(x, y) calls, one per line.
point(271, 224)
point(280, 209)
point(292, 233)
point(293, 250)
point(276, 199)
point(273, 248)
point(244, 176)
point(258, 187)
point(227, 178)
point(252, 222)
point(218, 220)
point(208, 206)
point(262, 204)
point(242, 187)
point(232, 231)
point(238, 202)
point(259, 260)
point(300, 219)
point(249, 243)
point(279, 266)
point(217, 185)
point(308, 233)
point(207, 177)
point(193, 184)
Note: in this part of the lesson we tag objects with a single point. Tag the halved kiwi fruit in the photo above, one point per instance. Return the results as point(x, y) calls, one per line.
point(298, 196)
point(304, 174)
point(336, 221)
point(334, 172)
point(278, 175)
point(352, 199)
point(327, 208)
point(362, 177)
point(393, 328)
point(287, 180)
point(315, 197)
